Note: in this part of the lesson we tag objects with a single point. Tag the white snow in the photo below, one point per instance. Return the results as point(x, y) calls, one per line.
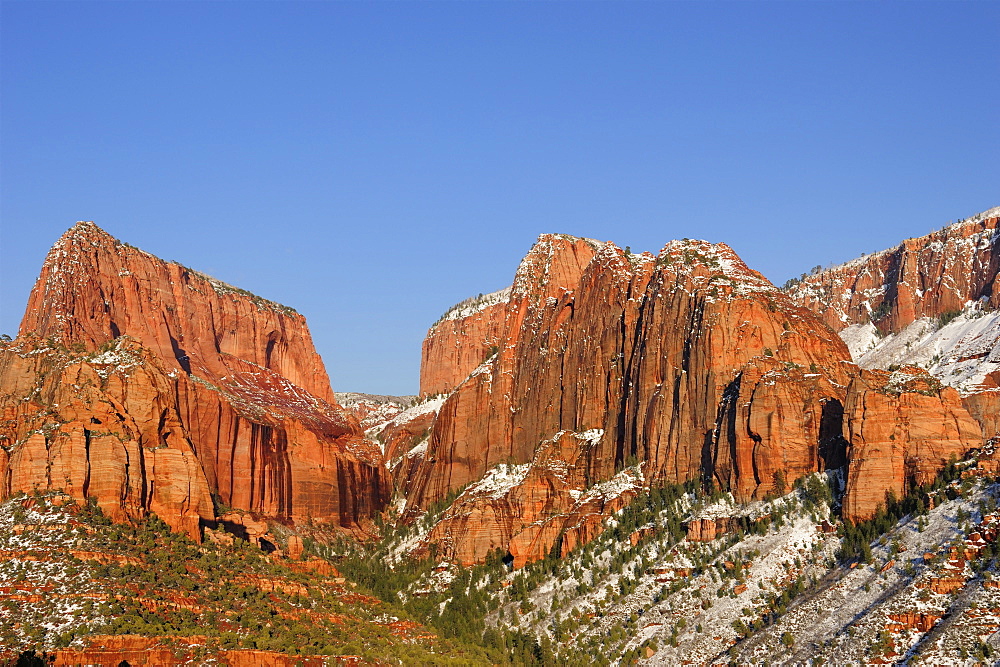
point(960, 354)
point(474, 304)
point(499, 480)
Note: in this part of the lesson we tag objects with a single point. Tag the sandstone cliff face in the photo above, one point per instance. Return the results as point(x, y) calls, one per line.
point(100, 426)
point(689, 362)
point(404, 440)
point(900, 307)
point(238, 399)
point(475, 432)
point(903, 427)
point(93, 289)
point(529, 509)
point(464, 337)
point(984, 407)
point(922, 277)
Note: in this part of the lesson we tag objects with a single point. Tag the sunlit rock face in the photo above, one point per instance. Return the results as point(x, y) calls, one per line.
point(921, 277)
point(931, 302)
point(211, 390)
point(688, 365)
point(903, 427)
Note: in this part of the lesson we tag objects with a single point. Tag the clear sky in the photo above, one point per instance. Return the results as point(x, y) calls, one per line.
point(370, 164)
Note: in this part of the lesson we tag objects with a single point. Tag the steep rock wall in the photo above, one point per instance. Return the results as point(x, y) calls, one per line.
point(689, 363)
point(464, 337)
point(93, 289)
point(237, 377)
point(903, 427)
point(921, 277)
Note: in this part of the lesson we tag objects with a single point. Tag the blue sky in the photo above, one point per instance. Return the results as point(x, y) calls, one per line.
point(371, 164)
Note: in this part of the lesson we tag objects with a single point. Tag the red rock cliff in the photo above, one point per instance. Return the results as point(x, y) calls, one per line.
point(93, 289)
point(223, 376)
point(903, 427)
point(921, 277)
point(690, 363)
point(464, 337)
point(900, 435)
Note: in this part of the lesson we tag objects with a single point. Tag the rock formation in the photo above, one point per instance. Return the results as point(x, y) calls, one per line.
point(903, 427)
point(530, 509)
point(902, 306)
point(984, 406)
point(921, 277)
point(463, 338)
point(697, 367)
point(689, 362)
point(150, 386)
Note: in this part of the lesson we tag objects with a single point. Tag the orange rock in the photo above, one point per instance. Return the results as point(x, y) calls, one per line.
point(984, 407)
point(922, 277)
point(464, 337)
point(706, 530)
point(528, 510)
point(657, 359)
point(902, 428)
point(137, 650)
point(295, 547)
point(150, 387)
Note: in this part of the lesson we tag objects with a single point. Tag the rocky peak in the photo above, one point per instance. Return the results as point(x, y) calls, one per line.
point(473, 330)
point(93, 288)
point(554, 264)
point(701, 265)
point(685, 363)
point(183, 390)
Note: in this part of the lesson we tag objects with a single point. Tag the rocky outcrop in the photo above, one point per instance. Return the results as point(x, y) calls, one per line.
point(984, 407)
point(102, 426)
point(150, 386)
point(138, 650)
point(708, 529)
point(922, 277)
point(478, 427)
point(404, 440)
point(902, 306)
point(689, 362)
point(93, 289)
point(534, 509)
point(903, 427)
point(464, 337)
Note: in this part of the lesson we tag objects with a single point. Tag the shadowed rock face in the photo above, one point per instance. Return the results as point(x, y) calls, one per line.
point(233, 382)
point(689, 363)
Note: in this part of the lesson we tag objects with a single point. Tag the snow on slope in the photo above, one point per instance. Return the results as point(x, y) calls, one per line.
point(961, 353)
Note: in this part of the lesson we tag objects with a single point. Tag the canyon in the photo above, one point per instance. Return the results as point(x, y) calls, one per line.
point(695, 368)
point(546, 412)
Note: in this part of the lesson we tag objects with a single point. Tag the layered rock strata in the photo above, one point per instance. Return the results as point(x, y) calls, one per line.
point(193, 368)
point(903, 427)
point(688, 362)
point(921, 277)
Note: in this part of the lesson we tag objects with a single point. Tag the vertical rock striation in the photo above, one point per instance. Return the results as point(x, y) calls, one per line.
point(903, 427)
point(240, 399)
point(902, 306)
point(688, 363)
point(921, 277)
